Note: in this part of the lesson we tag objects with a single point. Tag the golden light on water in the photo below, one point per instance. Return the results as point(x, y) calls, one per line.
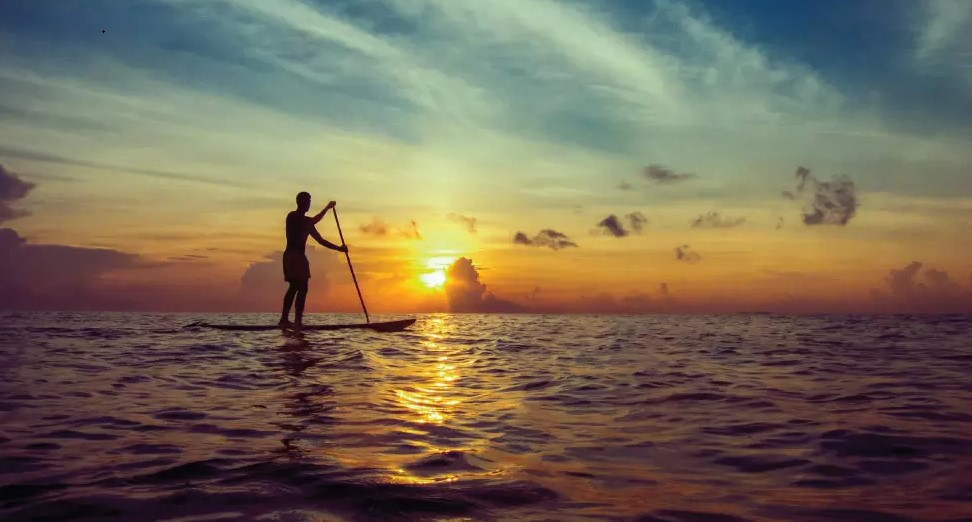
point(432, 402)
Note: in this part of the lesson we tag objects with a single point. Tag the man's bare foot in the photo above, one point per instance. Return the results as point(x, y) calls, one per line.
point(284, 322)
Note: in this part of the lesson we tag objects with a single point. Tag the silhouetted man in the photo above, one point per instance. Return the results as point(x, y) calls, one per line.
point(295, 266)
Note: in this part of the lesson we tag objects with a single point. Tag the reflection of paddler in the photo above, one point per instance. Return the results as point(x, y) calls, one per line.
point(296, 269)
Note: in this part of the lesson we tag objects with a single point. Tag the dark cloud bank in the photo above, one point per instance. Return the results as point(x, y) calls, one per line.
point(12, 190)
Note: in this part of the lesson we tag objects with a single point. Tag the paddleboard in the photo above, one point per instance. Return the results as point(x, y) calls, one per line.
point(387, 326)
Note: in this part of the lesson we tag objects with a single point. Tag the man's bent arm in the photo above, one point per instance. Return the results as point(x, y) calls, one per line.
point(320, 215)
point(317, 237)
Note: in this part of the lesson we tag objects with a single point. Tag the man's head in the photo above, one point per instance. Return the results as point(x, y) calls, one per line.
point(303, 201)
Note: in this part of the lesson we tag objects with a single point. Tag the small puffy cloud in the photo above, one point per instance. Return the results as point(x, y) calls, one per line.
point(714, 219)
point(686, 254)
point(466, 293)
point(831, 202)
point(637, 220)
point(663, 175)
point(547, 237)
point(468, 222)
point(12, 189)
point(612, 225)
point(624, 185)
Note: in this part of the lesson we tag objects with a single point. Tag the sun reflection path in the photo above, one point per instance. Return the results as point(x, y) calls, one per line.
point(434, 401)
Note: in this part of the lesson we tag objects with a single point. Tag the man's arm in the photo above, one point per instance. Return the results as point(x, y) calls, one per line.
point(316, 219)
point(317, 237)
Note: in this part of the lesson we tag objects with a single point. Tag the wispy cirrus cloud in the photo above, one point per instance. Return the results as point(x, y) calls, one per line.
point(713, 219)
point(379, 228)
point(468, 222)
point(664, 175)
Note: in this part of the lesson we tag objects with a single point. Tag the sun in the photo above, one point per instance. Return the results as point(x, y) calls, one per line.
point(434, 279)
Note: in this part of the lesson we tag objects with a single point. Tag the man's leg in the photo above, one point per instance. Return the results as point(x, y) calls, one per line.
point(287, 302)
point(301, 296)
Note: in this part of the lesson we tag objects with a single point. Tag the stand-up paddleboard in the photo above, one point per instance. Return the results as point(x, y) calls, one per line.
point(388, 326)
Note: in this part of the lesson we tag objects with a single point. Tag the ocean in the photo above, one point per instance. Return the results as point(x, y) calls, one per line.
point(487, 417)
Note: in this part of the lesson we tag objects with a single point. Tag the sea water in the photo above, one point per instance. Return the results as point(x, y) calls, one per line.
point(487, 417)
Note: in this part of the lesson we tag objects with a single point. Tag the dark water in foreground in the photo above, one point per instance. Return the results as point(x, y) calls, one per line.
point(469, 417)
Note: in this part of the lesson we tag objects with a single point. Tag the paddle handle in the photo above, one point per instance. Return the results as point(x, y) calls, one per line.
point(351, 267)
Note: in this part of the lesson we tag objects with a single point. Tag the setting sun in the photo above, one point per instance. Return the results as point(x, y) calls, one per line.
point(437, 277)
point(434, 279)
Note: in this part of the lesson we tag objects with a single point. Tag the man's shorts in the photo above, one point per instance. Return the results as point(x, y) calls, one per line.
point(295, 266)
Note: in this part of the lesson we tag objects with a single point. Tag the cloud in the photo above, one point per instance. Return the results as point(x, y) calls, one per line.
point(638, 302)
point(779, 223)
point(262, 282)
point(465, 292)
point(412, 232)
point(547, 237)
point(624, 185)
point(188, 258)
point(832, 202)
point(943, 46)
point(913, 289)
point(12, 189)
point(686, 254)
point(715, 220)
point(637, 220)
point(664, 175)
point(379, 228)
point(45, 157)
point(612, 225)
point(469, 223)
point(40, 276)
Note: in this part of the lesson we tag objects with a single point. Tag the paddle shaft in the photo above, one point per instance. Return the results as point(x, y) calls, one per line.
point(355, 279)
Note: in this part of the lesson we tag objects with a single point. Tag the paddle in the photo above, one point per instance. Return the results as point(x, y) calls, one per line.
point(341, 234)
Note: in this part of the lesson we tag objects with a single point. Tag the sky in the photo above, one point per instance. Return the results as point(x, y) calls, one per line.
point(657, 156)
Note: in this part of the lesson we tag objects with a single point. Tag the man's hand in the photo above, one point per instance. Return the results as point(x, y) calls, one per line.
point(330, 205)
point(343, 248)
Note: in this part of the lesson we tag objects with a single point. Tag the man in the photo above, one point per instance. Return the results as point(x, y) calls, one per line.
point(295, 266)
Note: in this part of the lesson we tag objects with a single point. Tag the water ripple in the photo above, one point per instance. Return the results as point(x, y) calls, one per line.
point(475, 417)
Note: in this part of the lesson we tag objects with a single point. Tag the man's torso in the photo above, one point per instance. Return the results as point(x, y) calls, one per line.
point(296, 231)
